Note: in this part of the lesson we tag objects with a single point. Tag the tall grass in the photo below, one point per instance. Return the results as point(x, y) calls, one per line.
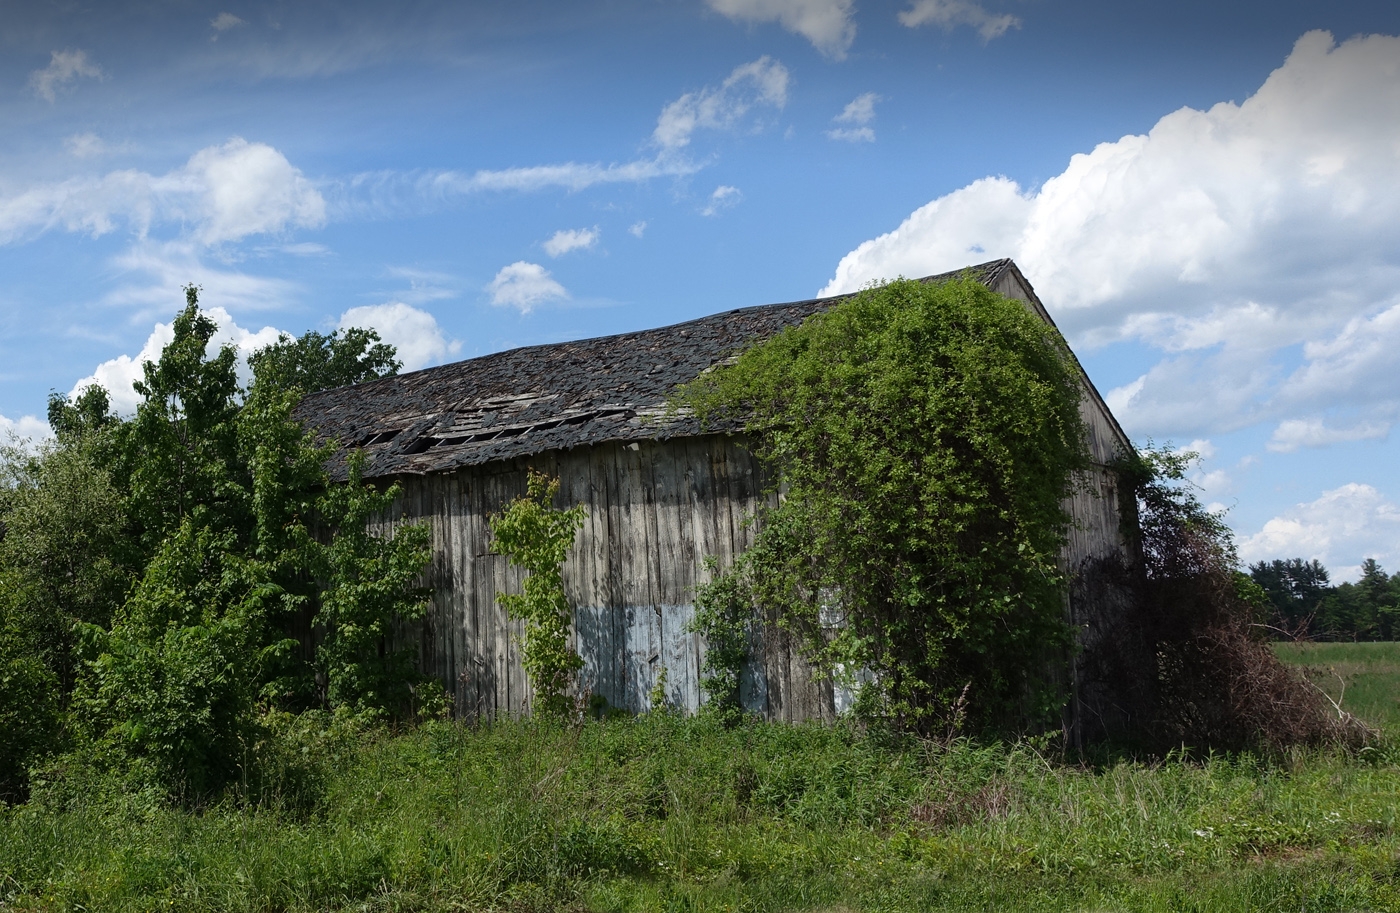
point(666, 813)
point(1364, 678)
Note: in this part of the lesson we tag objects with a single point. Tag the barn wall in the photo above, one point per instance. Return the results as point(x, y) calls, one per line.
point(656, 510)
point(1108, 659)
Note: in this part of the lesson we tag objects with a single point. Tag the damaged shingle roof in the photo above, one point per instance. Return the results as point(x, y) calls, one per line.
point(540, 398)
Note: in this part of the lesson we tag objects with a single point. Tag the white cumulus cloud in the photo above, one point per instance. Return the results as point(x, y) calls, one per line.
point(856, 118)
point(223, 193)
point(949, 14)
point(523, 286)
point(116, 375)
point(26, 428)
point(637, 229)
point(1339, 529)
point(977, 222)
point(828, 24)
point(761, 82)
point(64, 69)
point(413, 332)
point(1293, 433)
point(1225, 238)
point(248, 188)
point(568, 239)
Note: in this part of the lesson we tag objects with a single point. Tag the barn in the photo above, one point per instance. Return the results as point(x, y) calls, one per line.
point(661, 495)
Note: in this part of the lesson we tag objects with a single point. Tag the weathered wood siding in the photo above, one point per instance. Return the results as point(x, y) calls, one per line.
point(656, 510)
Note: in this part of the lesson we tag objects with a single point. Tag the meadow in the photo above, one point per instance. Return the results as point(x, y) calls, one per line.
point(1364, 678)
point(661, 812)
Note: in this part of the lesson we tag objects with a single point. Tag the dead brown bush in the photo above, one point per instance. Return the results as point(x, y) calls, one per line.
point(1218, 683)
point(952, 806)
point(1197, 672)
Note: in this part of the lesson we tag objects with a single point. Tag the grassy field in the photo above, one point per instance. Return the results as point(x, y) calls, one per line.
point(1364, 677)
point(664, 813)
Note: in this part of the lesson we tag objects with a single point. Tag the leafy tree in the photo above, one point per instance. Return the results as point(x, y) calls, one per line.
point(1381, 597)
point(175, 682)
point(367, 583)
point(233, 534)
point(65, 559)
point(90, 412)
point(1295, 588)
point(180, 451)
point(1368, 609)
point(29, 708)
point(922, 438)
point(1304, 603)
point(315, 361)
point(64, 564)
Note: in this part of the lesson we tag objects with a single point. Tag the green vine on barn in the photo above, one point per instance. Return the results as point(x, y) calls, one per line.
point(924, 437)
point(536, 536)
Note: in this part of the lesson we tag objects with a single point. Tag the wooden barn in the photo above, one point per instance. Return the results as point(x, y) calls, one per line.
point(661, 496)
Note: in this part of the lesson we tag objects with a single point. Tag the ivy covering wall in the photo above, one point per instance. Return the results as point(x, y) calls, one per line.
point(922, 439)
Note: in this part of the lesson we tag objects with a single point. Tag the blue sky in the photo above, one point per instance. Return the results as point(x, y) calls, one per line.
point(1204, 194)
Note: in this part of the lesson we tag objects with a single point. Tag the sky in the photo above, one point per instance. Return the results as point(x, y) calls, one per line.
point(1206, 196)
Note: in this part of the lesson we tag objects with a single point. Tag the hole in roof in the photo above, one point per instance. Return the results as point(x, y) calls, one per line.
point(379, 437)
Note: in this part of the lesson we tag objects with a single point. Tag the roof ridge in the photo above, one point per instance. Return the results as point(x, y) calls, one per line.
point(988, 271)
point(549, 396)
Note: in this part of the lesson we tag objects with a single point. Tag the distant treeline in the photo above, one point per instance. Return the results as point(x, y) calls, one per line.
point(1303, 603)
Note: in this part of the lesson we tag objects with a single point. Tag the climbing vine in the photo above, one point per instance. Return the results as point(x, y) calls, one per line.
point(724, 617)
point(536, 536)
point(923, 438)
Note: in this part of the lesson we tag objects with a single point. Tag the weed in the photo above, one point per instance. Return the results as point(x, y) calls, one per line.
point(661, 811)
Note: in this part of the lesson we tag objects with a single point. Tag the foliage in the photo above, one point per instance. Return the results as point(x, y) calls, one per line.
point(1305, 605)
point(1294, 589)
point(64, 564)
point(174, 683)
point(180, 452)
point(89, 412)
point(153, 569)
point(368, 583)
point(315, 361)
point(724, 616)
point(537, 537)
point(29, 711)
point(662, 812)
point(65, 559)
point(922, 438)
point(1368, 609)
